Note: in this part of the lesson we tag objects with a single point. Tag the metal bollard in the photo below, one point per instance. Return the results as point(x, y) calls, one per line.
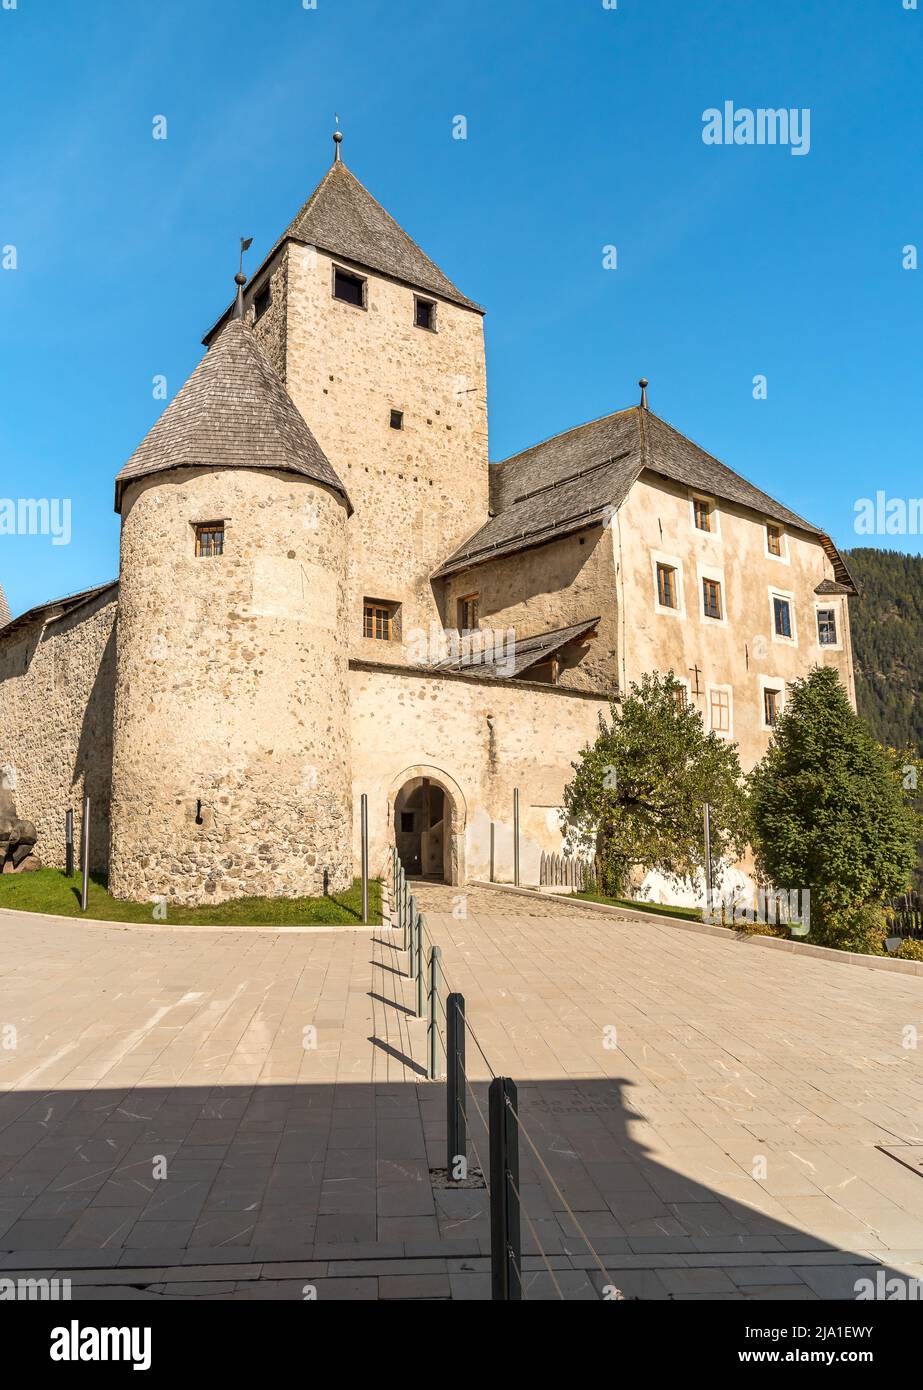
point(505, 1244)
point(364, 832)
point(85, 888)
point(434, 1041)
point(69, 843)
point(455, 1095)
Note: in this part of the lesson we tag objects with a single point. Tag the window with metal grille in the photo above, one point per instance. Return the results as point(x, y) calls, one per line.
point(209, 539)
point(774, 540)
point(666, 585)
point(349, 288)
point(468, 612)
point(702, 509)
point(424, 313)
point(711, 598)
point(378, 620)
point(771, 706)
point(782, 616)
point(719, 702)
point(826, 627)
point(681, 696)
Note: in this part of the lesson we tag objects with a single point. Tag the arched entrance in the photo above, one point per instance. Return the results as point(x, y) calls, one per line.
point(427, 813)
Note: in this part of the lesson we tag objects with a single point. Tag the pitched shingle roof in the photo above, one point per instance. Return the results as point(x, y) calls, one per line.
point(524, 652)
point(581, 477)
point(56, 608)
point(233, 412)
point(342, 218)
point(4, 608)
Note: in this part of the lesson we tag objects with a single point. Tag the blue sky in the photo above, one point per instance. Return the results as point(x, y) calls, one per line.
point(584, 131)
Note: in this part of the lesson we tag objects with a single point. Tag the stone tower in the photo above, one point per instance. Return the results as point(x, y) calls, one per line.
point(231, 755)
point(385, 358)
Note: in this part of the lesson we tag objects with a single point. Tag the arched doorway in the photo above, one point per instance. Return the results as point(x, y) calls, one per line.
point(428, 825)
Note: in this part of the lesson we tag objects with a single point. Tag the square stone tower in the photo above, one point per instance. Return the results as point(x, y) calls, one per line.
point(384, 358)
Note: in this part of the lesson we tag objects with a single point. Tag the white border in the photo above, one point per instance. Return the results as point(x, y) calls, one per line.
point(729, 689)
point(784, 558)
point(771, 683)
point(711, 572)
point(714, 513)
point(834, 603)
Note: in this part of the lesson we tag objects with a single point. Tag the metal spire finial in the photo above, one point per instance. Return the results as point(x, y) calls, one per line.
point(644, 383)
point(337, 139)
point(240, 278)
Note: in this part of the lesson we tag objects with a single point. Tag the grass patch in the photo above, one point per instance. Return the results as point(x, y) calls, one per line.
point(691, 914)
point(49, 890)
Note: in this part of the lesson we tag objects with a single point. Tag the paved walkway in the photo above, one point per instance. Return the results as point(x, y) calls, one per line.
point(168, 1127)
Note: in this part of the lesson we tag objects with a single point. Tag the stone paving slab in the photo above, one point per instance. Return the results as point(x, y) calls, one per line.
point(238, 1115)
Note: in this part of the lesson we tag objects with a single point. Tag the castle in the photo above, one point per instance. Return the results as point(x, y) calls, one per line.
point(326, 590)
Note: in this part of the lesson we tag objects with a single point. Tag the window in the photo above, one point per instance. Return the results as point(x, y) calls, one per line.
point(711, 598)
point(681, 696)
point(826, 627)
point(349, 288)
point(407, 822)
point(209, 539)
point(469, 613)
point(701, 510)
point(719, 709)
point(261, 302)
point(774, 540)
point(666, 586)
point(379, 619)
point(425, 314)
point(772, 704)
point(397, 419)
point(782, 616)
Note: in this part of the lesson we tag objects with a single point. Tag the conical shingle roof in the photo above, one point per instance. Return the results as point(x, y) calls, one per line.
point(5, 614)
point(233, 412)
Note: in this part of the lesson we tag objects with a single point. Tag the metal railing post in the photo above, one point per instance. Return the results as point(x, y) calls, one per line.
point(410, 936)
point(364, 825)
point(456, 1124)
point(86, 854)
point(421, 968)
point(505, 1245)
point(493, 830)
point(69, 842)
point(708, 869)
point(516, 837)
point(434, 1048)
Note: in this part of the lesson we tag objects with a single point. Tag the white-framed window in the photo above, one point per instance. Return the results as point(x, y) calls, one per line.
point(782, 617)
point(827, 618)
point(705, 515)
point(719, 704)
point(775, 542)
point(772, 700)
point(712, 597)
point(667, 576)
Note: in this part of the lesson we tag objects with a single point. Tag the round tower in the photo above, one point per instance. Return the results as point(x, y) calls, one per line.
point(231, 754)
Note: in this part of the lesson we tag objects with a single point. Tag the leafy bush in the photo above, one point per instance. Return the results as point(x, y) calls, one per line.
point(910, 949)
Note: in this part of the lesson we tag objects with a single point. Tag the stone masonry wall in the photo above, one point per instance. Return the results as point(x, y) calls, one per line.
point(57, 687)
point(232, 772)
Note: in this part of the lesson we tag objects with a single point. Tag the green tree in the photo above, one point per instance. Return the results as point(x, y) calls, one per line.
point(829, 814)
point(637, 794)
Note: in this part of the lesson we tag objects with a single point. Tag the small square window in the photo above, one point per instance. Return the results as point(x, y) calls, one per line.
point(772, 704)
point(666, 585)
point(209, 539)
point(349, 288)
point(425, 314)
point(774, 540)
point(702, 510)
point(719, 703)
point(711, 598)
point(782, 616)
point(826, 627)
point(379, 619)
point(407, 822)
point(397, 419)
point(261, 302)
point(469, 613)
